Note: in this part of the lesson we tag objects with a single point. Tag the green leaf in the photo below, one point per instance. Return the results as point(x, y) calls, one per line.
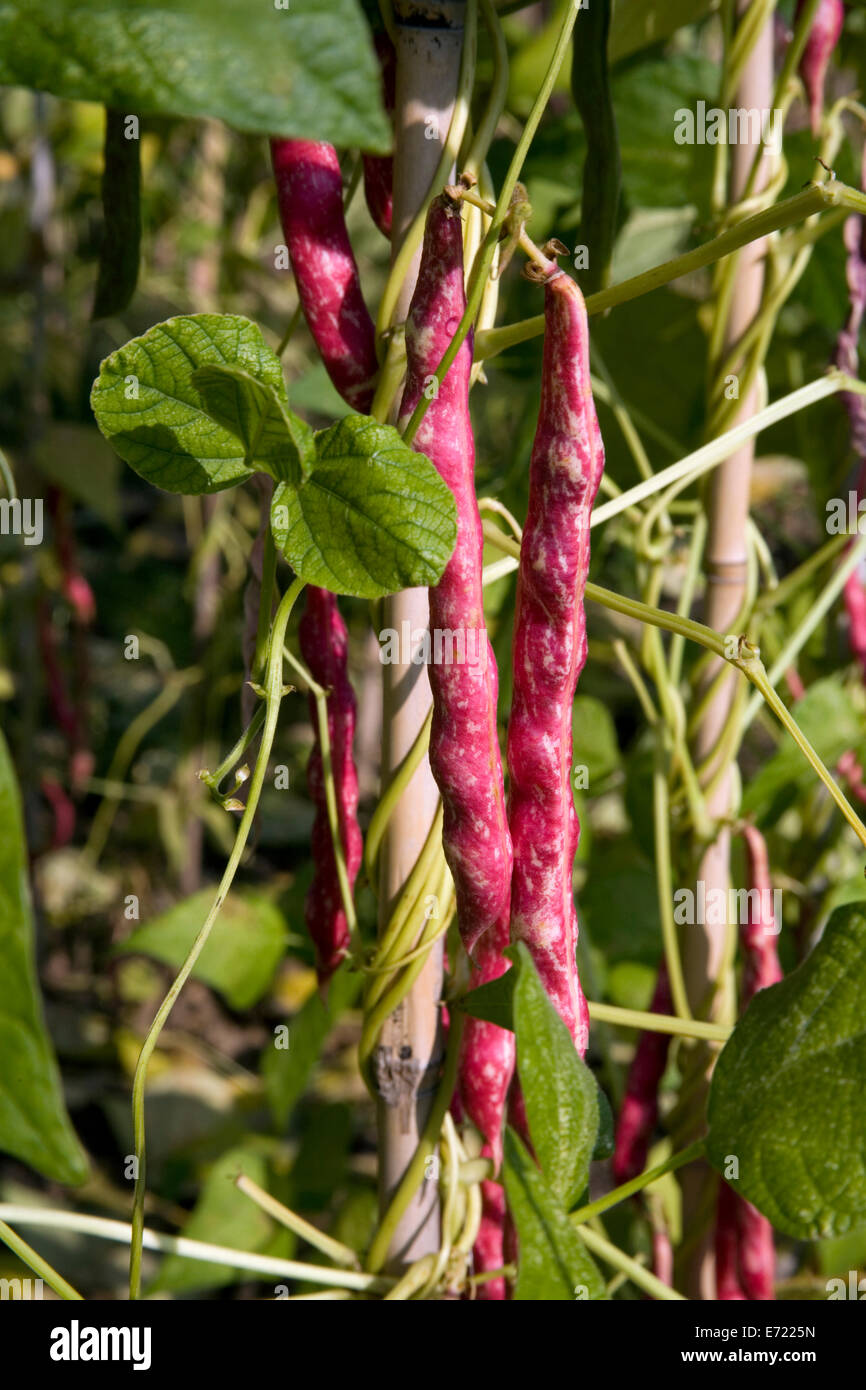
point(305, 70)
point(553, 1264)
point(246, 944)
point(34, 1125)
point(373, 518)
point(221, 1216)
point(274, 439)
point(121, 218)
point(787, 1098)
point(148, 407)
point(559, 1090)
point(286, 1070)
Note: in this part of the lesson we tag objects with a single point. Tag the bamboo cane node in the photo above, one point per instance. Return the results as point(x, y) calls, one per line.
point(397, 1076)
point(430, 14)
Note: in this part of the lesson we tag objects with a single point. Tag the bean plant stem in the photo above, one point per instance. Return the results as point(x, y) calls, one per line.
point(612, 1255)
point(120, 1232)
point(40, 1267)
point(814, 199)
point(628, 1189)
point(659, 1023)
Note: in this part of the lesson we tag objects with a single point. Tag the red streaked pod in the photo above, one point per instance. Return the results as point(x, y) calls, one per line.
point(323, 642)
point(823, 37)
point(310, 197)
point(550, 650)
point(464, 744)
point(379, 169)
point(640, 1106)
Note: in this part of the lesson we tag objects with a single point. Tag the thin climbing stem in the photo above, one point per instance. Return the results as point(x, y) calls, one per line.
point(628, 1189)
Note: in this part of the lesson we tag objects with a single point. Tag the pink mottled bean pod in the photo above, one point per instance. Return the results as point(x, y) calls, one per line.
point(310, 197)
point(823, 37)
point(640, 1106)
point(323, 642)
point(464, 745)
point(550, 650)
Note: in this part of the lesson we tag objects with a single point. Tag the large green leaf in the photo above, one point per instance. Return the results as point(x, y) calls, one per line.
point(787, 1099)
point(553, 1263)
point(150, 409)
point(286, 1070)
point(306, 69)
point(559, 1090)
point(34, 1125)
point(374, 517)
point(246, 944)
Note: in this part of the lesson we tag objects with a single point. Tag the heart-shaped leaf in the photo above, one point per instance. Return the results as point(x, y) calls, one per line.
point(149, 408)
point(374, 516)
point(787, 1100)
